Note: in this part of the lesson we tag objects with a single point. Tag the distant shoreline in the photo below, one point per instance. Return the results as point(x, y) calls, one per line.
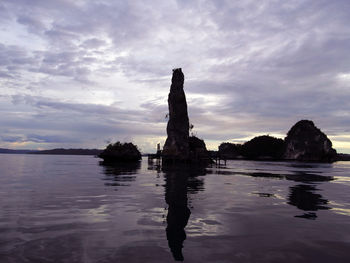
point(58, 151)
point(95, 152)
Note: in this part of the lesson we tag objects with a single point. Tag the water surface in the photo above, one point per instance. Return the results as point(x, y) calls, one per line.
point(74, 209)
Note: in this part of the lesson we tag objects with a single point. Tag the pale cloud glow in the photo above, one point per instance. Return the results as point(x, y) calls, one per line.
point(344, 78)
point(80, 73)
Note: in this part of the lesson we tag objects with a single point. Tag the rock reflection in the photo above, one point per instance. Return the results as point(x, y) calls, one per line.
point(194, 183)
point(296, 176)
point(299, 176)
point(304, 197)
point(180, 180)
point(120, 173)
point(154, 165)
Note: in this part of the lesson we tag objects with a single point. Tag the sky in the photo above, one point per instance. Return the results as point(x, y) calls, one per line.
point(82, 74)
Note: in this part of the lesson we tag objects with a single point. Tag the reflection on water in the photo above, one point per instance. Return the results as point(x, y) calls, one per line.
point(178, 212)
point(304, 197)
point(179, 180)
point(66, 209)
point(299, 176)
point(119, 174)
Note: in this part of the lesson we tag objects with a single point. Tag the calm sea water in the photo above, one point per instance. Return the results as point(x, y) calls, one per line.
point(73, 209)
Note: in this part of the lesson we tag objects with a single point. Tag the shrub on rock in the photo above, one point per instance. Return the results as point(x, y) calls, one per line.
point(124, 152)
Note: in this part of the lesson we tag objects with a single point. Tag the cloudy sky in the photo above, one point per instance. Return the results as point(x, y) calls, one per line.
point(79, 73)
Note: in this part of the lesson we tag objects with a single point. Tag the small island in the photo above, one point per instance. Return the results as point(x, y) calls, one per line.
point(120, 152)
point(304, 141)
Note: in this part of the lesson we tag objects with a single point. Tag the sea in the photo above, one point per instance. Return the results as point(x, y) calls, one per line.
point(61, 208)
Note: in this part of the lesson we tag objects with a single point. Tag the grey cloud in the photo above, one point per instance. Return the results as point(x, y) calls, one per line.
point(37, 138)
point(87, 109)
point(12, 138)
point(51, 139)
point(85, 117)
point(5, 75)
point(33, 23)
point(4, 15)
point(63, 124)
point(93, 43)
point(11, 54)
point(273, 61)
point(64, 37)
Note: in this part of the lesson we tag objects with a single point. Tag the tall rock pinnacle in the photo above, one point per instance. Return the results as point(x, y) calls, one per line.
point(176, 145)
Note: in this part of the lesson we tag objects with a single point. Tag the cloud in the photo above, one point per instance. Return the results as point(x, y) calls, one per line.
point(93, 69)
point(11, 139)
point(50, 139)
point(33, 23)
point(93, 43)
point(41, 120)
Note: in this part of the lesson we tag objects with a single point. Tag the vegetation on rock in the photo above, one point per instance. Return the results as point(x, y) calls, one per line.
point(304, 142)
point(198, 149)
point(229, 150)
point(120, 152)
point(262, 147)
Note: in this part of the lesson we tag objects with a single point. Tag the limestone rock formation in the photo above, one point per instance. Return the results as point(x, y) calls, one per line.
point(198, 149)
point(305, 142)
point(229, 150)
point(120, 152)
point(263, 147)
point(176, 146)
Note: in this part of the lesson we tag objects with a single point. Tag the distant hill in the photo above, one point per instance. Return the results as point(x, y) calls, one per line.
point(2, 150)
point(343, 157)
point(61, 151)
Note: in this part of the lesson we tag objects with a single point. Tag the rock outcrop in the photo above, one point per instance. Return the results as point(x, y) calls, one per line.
point(176, 146)
point(229, 150)
point(120, 152)
point(263, 147)
point(305, 142)
point(198, 149)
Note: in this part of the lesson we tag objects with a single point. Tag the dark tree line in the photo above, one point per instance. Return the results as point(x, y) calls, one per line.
point(259, 147)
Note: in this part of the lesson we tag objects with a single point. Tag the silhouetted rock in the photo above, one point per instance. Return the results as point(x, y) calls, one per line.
point(229, 150)
point(263, 147)
point(120, 152)
point(305, 142)
point(176, 146)
point(198, 150)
